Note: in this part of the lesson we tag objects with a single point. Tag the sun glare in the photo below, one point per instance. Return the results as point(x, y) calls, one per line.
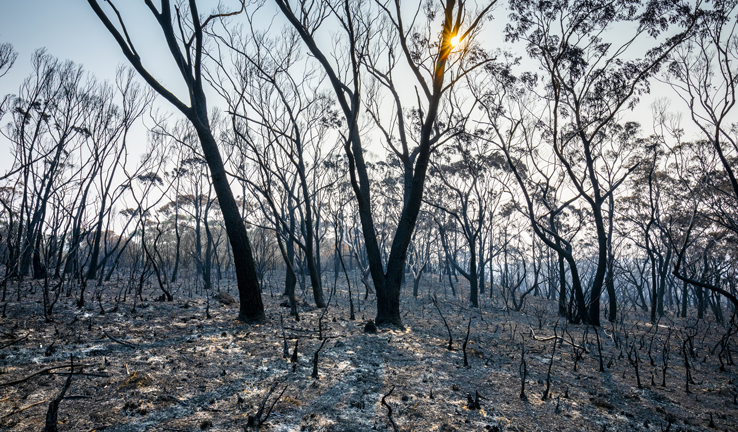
point(455, 41)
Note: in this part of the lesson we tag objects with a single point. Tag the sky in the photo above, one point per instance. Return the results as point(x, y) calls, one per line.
point(69, 29)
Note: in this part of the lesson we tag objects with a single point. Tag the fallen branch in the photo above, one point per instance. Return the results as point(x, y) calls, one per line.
point(120, 341)
point(15, 341)
point(19, 410)
point(546, 339)
point(97, 375)
point(41, 372)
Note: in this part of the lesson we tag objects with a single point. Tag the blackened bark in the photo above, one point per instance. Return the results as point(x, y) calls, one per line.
point(482, 263)
point(34, 225)
point(684, 299)
point(290, 280)
point(599, 278)
point(178, 240)
point(663, 271)
point(610, 278)
point(92, 272)
point(207, 269)
point(416, 280)
point(471, 275)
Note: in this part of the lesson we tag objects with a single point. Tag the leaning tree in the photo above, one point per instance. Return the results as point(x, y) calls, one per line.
point(185, 38)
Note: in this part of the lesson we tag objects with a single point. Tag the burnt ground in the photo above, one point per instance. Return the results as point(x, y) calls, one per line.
point(174, 369)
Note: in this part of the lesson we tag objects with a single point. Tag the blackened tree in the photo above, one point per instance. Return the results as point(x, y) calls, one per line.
point(187, 53)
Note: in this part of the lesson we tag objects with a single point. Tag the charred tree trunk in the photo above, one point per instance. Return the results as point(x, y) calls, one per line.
point(178, 242)
point(610, 278)
point(189, 63)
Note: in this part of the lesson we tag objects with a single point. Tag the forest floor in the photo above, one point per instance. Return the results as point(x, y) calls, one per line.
point(165, 366)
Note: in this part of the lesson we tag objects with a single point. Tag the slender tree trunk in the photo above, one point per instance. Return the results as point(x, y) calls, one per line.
point(577, 291)
point(178, 242)
point(663, 270)
point(208, 264)
point(684, 300)
point(251, 306)
point(473, 283)
point(654, 283)
point(310, 238)
point(482, 263)
point(610, 278)
point(562, 286)
point(598, 282)
point(39, 270)
point(416, 281)
point(198, 233)
point(290, 281)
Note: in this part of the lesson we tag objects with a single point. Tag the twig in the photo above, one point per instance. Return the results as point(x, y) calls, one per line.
point(389, 409)
point(256, 421)
point(271, 407)
point(120, 341)
point(83, 374)
point(286, 349)
point(294, 359)
point(450, 338)
point(315, 359)
point(546, 339)
point(53, 412)
point(320, 319)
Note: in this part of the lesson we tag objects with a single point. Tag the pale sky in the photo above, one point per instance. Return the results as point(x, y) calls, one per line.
point(70, 30)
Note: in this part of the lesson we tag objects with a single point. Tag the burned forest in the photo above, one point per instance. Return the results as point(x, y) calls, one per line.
point(321, 215)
